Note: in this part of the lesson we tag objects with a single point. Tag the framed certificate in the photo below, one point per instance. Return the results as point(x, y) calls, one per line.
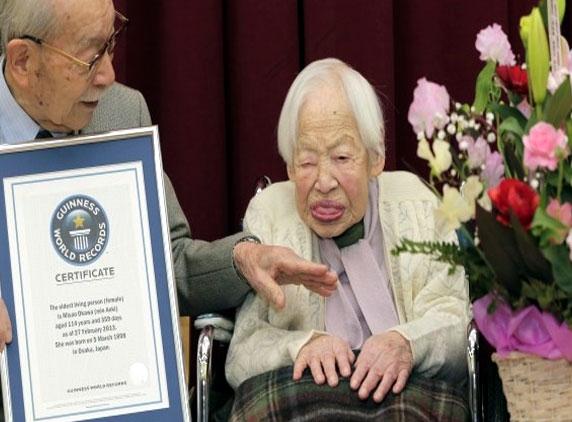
point(86, 275)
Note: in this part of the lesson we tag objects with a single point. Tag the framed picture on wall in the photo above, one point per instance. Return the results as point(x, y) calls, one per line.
point(86, 275)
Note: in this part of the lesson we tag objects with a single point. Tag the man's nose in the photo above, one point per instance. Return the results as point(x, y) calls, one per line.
point(104, 72)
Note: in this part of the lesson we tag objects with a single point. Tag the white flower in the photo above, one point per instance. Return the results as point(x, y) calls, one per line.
point(440, 161)
point(452, 211)
point(471, 190)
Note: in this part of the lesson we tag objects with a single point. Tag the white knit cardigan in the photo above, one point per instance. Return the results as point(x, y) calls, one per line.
point(432, 305)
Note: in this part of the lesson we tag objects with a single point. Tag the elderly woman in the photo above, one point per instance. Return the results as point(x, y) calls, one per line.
point(390, 342)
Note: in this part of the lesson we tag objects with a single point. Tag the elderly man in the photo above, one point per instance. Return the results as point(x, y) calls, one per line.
point(57, 79)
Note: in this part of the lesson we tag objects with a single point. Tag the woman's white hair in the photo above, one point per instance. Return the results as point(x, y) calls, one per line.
point(27, 17)
point(361, 96)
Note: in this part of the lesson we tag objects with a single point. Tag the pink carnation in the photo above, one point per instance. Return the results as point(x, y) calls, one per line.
point(562, 213)
point(544, 146)
point(430, 107)
point(493, 45)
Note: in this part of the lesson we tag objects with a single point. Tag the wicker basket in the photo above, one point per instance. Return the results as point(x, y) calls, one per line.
point(536, 389)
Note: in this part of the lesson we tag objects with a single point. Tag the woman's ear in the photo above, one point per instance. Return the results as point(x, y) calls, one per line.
point(291, 173)
point(377, 165)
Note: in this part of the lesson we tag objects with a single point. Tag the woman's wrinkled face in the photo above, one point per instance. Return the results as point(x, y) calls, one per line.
point(331, 165)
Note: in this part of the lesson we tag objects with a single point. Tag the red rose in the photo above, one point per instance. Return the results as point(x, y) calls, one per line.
point(516, 196)
point(513, 78)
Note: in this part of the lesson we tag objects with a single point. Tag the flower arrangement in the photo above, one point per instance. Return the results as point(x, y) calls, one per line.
point(502, 168)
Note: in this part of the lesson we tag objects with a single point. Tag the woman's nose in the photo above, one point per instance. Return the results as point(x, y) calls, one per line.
point(325, 181)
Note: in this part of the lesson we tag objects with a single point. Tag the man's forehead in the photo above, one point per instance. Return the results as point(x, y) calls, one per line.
point(82, 12)
point(86, 22)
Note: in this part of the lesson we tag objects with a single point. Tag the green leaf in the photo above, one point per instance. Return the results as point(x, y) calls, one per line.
point(546, 228)
point(559, 105)
point(537, 57)
point(561, 10)
point(510, 124)
point(559, 257)
point(547, 296)
point(515, 168)
point(566, 195)
point(536, 266)
point(500, 249)
point(484, 86)
point(464, 254)
point(504, 111)
point(543, 5)
point(524, 29)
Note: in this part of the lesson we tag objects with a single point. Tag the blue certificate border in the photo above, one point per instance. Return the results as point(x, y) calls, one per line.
point(117, 147)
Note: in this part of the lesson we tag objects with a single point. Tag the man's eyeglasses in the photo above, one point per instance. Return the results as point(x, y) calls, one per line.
point(108, 47)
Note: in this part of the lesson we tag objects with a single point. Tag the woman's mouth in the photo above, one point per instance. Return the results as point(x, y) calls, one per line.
point(327, 211)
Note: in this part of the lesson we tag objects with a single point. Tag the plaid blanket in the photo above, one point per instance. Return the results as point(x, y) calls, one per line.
point(273, 396)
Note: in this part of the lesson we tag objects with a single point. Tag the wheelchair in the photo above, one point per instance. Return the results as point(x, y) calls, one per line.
point(213, 328)
point(485, 395)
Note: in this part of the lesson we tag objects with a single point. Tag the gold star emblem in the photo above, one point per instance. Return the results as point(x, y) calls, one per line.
point(78, 221)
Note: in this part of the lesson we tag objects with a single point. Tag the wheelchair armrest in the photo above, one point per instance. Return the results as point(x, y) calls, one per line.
point(222, 326)
point(475, 394)
point(214, 327)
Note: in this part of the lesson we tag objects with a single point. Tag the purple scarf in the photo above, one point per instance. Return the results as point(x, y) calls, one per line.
point(363, 303)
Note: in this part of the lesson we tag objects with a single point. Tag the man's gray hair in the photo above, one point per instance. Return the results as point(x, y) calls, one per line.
point(361, 96)
point(26, 17)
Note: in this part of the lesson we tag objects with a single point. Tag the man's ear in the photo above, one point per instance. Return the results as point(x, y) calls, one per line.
point(19, 56)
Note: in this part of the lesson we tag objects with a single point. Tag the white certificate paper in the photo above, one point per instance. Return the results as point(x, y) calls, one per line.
point(90, 342)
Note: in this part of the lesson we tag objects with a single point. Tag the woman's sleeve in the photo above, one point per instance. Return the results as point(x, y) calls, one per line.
point(266, 338)
point(258, 346)
point(437, 311)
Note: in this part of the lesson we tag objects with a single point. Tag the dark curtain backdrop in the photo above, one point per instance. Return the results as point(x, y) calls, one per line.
point(215, 73)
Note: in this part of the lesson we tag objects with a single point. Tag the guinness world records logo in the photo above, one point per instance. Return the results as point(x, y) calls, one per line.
point(79, 229)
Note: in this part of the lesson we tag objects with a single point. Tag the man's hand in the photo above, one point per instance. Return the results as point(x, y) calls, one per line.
point(5, 326)
point(267, 267)
point(385, 362)
point(322, 355)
